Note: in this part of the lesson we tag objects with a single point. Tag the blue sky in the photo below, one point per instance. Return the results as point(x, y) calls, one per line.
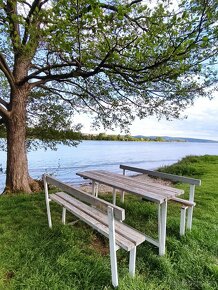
point(201, 122)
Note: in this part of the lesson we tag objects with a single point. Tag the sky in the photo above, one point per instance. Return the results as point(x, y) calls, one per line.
point(201, 122)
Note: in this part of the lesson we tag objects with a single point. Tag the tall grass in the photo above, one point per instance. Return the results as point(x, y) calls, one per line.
point(75, 257)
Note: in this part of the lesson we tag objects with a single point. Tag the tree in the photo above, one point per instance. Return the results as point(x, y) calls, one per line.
point(116, 59)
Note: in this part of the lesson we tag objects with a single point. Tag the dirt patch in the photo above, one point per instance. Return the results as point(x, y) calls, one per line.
point(100, 245)
point(9, 275)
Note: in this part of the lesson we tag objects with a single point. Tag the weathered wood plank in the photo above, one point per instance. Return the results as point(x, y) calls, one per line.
point(121, 228)
point(150, 186)
point(119, 212)
point(94, 223)
point(128, 184)
point(163, 175)
point(159, 198)
point(183, 201)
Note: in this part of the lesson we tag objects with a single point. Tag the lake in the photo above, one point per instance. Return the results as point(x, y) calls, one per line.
point(107, 155)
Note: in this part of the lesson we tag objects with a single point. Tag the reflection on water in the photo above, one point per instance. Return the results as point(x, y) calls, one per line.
point(107, 155)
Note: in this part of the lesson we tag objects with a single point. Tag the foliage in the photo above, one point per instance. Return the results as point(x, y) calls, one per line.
point(112, 59)
point(127, 137)
point(34, 257)
point(116, 59)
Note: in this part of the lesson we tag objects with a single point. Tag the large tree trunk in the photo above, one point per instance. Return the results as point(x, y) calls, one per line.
point(17, 179)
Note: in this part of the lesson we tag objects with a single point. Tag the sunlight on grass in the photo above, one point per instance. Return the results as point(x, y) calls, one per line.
point(76, 257)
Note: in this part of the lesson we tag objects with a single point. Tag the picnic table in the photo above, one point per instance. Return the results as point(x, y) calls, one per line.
point(151, 191)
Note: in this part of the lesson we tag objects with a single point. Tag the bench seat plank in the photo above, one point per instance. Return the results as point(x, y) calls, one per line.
point(99, 221)
point(125, 230)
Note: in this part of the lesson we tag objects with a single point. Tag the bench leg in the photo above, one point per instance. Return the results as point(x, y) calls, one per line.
point(189, 218)
point(114, 196)
point(47, 200)
point(190, 209)
point(64, 216)
point(96, 189)
point(93, 188)
point(122, 195)
point(182, 220)
point(132, 259)
point(112, 244)
point(162, 218)
point(49, 214)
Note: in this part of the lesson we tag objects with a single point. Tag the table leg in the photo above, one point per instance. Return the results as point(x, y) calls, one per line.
point(96, 189)
point(114, 196)
point(93, 188)
point(162, 218)
point(122, 195)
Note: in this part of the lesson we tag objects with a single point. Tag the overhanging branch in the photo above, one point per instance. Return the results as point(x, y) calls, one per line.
point(6, 70)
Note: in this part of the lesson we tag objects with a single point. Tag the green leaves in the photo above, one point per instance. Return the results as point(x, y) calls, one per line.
point(115, 59)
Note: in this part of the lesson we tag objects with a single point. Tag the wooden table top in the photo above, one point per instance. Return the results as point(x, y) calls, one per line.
point(150, 190)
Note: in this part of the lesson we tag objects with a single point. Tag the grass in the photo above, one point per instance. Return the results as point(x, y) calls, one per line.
point(76, 257)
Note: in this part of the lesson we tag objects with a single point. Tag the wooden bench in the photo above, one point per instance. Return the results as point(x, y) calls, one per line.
point(186, 204)
point(101, 216)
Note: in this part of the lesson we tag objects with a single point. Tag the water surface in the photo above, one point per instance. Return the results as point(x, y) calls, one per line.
point(107, 155)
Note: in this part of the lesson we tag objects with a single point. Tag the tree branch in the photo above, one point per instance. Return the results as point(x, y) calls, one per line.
point(48, 68)
point(4, 103)
point(5, 114)
point(6, 70)
point(11, 10)
point(36, 4)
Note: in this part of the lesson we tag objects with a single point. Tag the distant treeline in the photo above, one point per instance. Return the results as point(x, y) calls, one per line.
point(52, 134)
point(104, 136)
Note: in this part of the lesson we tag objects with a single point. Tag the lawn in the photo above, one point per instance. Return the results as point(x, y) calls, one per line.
point(76, 257)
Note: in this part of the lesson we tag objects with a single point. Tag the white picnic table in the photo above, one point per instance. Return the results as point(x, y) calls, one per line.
point(152, 191)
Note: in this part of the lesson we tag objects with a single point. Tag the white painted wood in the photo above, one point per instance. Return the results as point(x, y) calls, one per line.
point(183, 201)
point(64, 215)
point(131, 184)
point(47, 200)
point(153, 192)
point(152, 186)
point(119, 234)
point(122, 193)
point(163, 175)
point(132, 261)
point(122, 229)
point(150, 193)
point(96, 189)
point(162, 217)
point(114, 196)
point(93, 188)
point(152, 241)
point(112, 244)
point(122, 239)
point(190, 209)
point(122, 196)
point(86, 197)
point(182, 220)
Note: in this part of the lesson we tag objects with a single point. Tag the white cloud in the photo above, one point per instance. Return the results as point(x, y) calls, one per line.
point(202, 122)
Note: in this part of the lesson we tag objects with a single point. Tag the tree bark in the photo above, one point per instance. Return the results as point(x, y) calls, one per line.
point(17, 179)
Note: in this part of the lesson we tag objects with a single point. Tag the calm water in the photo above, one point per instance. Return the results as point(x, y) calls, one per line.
point(108, 155)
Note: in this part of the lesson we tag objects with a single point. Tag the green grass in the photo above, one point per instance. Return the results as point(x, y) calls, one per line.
point(75, 257)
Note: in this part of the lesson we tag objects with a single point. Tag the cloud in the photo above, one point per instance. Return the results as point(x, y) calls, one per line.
point(201, 122)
